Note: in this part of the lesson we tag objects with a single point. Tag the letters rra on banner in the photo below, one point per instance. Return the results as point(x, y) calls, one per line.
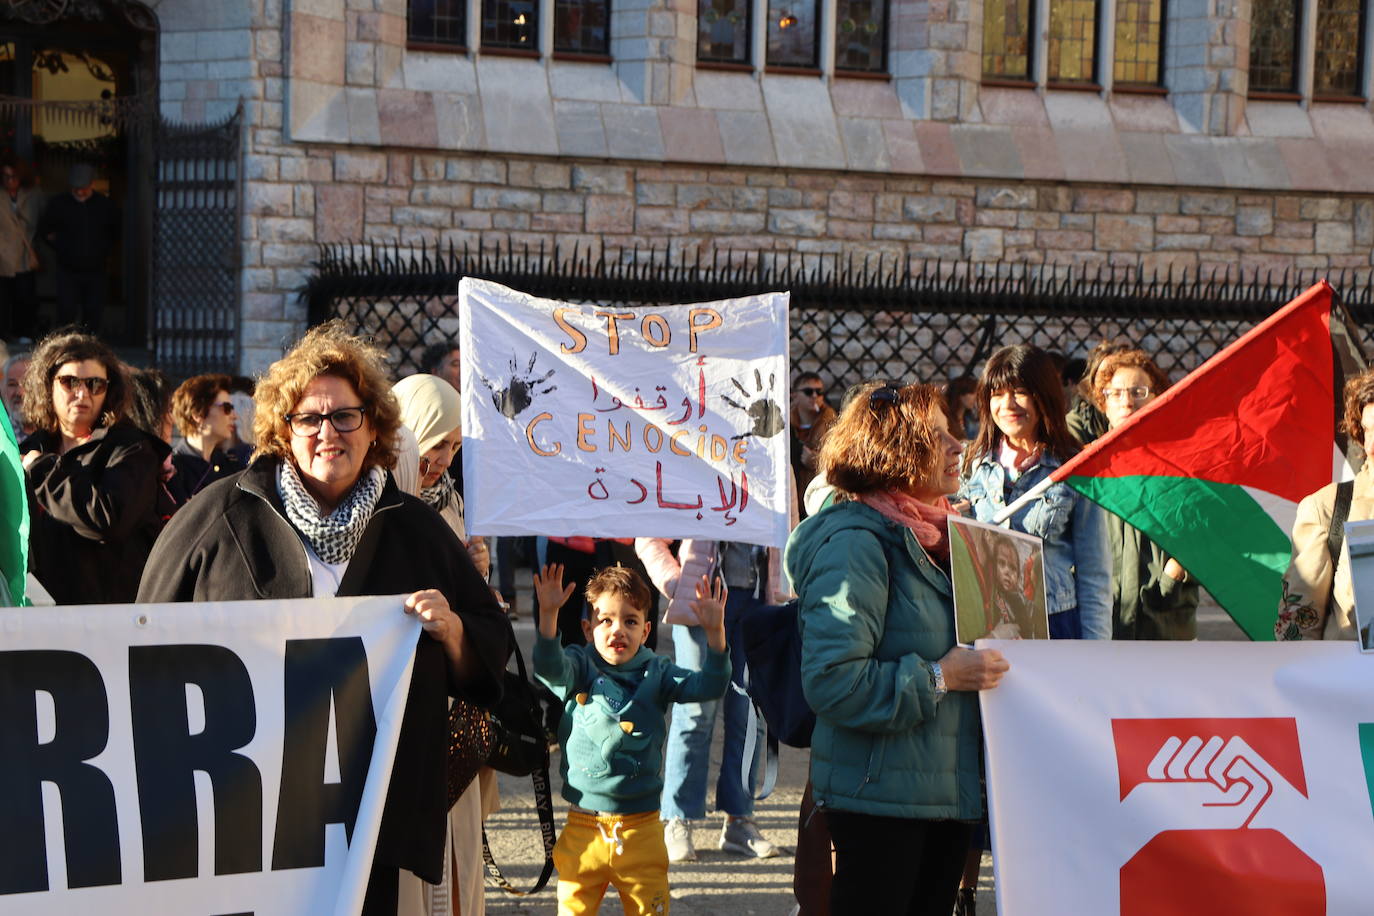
point(612, 421)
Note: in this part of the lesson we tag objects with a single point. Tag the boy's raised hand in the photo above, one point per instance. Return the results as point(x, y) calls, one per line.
point(549, 590)
point(710, 610)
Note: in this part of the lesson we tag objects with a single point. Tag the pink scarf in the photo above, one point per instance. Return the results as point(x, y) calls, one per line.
point(926, 522)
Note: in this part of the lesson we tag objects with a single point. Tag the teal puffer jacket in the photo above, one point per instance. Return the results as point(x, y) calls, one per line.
point(875, 612)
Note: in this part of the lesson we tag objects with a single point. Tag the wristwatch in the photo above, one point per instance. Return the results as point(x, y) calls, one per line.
point(937, 681)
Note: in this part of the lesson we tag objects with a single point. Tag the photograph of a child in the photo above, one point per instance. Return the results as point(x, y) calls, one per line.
point(999, 582)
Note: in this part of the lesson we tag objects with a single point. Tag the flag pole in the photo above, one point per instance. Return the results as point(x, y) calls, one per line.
point(1030, 495)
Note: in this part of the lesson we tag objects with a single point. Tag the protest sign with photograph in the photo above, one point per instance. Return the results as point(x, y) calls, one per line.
point(999, 582)
point(625, 421)
point(1358, 557)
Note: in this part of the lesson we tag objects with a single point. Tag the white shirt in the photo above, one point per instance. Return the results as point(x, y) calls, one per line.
point(325, 577)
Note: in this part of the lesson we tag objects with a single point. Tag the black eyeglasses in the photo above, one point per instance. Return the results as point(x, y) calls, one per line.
point(812, 392)
point(227, 407)
point(344, 420)
point(95, 384)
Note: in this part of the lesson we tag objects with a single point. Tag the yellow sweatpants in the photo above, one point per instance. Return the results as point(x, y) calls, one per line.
point(625, 850)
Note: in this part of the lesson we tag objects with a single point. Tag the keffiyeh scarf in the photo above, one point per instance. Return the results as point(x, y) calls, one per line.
point(440, 496)
point(335, 536)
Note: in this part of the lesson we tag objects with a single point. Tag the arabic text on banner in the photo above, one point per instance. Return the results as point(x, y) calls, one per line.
point(617, 421)
point(1182, 777)
point(197, 758)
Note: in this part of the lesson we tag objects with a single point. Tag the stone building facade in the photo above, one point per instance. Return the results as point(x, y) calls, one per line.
point(354, 136)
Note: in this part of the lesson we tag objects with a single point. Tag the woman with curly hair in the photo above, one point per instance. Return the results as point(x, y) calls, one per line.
point(317, 514)
point(1318, 600)
point(95, 479)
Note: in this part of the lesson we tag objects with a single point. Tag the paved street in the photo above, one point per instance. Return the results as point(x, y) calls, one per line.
point(718, 884)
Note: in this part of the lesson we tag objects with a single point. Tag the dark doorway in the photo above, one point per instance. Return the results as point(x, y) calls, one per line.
point(78, 85)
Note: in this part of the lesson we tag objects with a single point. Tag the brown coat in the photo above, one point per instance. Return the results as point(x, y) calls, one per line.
point(1310, 607)
point(17, 225)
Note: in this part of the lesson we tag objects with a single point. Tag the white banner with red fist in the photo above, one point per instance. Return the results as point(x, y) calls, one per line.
point(209, 759)
point(619, 421)
point(1190, 777)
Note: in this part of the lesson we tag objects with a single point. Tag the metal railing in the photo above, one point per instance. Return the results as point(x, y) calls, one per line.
point(852, 318)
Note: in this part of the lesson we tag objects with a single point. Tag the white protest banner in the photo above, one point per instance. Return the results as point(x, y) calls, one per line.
point(668, 421)
point(1181, 777)
point(197, 758)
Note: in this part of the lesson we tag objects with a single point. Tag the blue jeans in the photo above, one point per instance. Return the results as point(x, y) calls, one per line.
point(687, 757)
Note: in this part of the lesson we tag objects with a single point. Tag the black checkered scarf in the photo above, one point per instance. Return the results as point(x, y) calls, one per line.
point(335, 536)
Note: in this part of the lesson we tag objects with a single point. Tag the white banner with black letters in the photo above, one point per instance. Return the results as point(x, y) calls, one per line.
point(617, 421)
point(197, 758)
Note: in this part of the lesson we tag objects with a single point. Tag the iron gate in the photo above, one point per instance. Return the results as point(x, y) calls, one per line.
point(197, 208)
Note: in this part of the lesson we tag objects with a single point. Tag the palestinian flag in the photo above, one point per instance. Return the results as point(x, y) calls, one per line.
point(1213, 470)
point(14, 519)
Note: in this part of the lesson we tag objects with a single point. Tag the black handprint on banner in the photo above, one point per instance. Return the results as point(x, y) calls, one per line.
point(767, 416)
point(522, 389)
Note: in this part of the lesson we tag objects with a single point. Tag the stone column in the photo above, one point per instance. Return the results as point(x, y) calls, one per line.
point(1207, 50)
point(936, 65)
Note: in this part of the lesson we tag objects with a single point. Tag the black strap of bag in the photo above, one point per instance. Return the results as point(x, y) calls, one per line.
point(1335, 535)
point(543, 803)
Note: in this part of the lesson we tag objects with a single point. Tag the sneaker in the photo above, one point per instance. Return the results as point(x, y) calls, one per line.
point(741, 835)
point(677, 836)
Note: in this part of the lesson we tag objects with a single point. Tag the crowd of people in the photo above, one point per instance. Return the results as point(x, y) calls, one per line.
point(327, 477)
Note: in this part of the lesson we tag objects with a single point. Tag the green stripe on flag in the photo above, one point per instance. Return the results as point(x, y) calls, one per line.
point(14, 517)
point(1216, 531)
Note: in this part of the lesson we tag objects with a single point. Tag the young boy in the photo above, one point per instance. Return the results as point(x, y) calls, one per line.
point(616, 692)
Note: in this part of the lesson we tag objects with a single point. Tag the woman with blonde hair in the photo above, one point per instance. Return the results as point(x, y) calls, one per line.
point(897, 743)
point(316, 514)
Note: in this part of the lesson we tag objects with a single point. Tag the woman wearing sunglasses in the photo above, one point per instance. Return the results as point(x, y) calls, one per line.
point(205, 415)
point(95, 478)
point(317, 514)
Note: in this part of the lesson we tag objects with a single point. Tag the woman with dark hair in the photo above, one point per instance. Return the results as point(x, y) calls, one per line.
point(1021, 440)
point(1318, 600)
point(94, 478)
point(1153, 597)
point(961, 406)
point(317, 514)
point(895, 758)
point(206, 417)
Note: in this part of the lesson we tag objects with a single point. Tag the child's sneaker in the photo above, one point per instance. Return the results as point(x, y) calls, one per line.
point(677, 836)
point(741, 835)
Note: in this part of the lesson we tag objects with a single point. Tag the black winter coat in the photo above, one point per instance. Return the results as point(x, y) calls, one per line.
point(95, 512)
point(84, 233)
point(233, 542)
point(194, 473)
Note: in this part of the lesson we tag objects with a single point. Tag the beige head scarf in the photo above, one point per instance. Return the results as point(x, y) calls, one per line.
point(430, 408)
point(407, 470)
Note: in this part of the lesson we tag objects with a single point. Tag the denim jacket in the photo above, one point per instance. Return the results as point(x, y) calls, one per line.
point(1077, 567)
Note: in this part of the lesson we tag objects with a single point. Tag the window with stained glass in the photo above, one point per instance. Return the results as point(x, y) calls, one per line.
point(861, 36)
point(1006, 39)
point(1336, 66)
point(1139, 32)
point(579, 26)
point(793, 30)
point(437, 22)
point(510, 24)
point(1071, 48)
point(1274, 27)
point(723, 31)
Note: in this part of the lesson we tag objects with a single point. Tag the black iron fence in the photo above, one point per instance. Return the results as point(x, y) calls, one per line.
point(851, 318)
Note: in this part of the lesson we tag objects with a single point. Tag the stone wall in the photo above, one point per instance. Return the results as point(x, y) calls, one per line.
point(344, 194)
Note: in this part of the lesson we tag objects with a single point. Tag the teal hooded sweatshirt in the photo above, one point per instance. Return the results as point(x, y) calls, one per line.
point(613, 728)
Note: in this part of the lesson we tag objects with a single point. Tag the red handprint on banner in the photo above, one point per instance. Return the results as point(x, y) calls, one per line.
point(1205, 818)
